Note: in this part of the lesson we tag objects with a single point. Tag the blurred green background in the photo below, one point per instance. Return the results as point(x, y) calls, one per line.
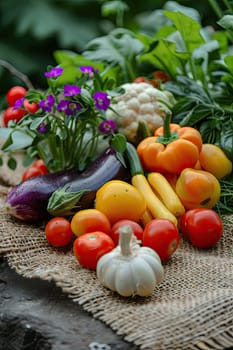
point(32, 30)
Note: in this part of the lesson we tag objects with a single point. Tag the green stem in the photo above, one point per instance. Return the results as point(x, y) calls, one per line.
point(167, 136)
point(166, 126)
point(17, 73)
point(216, 8)
point(129, 72)
point(228, 5)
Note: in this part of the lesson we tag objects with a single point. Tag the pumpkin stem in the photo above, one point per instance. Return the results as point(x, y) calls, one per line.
point(125, 233)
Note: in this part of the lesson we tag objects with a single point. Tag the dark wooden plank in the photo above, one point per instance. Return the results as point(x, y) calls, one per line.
point(35, 314)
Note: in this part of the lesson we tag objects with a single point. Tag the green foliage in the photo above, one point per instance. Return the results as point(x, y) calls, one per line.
point(32, 31)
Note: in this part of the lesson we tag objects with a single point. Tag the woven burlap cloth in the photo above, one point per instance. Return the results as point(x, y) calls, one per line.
point(191, 309)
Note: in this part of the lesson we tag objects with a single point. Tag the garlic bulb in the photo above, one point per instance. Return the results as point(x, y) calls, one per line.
point(130, 269)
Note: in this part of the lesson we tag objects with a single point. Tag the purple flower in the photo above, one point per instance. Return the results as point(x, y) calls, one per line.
point(54, 72)
point(102, 100)
point(68, 107)
point(89, 70)
point(19, 103)
point(107, 126)
point(71, 90)
point(47, 105)
point(42, 127)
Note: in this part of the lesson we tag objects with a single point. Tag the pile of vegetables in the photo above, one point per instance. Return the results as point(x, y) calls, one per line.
point(125, 218)
point(121, 170)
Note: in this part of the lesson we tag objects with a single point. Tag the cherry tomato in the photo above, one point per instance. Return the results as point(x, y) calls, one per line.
point(137, 229)
point(162, 76)
point(90, 220)
point(31, 172)
point(30, 107)
point(58, 232)
point(40, 164)
point(162, 236)
point(12, 114)
point(118, 200)
point(14, 94)
point(140, 80)
point(89, 247)
point(202, 227)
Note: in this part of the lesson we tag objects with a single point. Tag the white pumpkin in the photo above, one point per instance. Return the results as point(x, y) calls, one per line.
point(130, 269)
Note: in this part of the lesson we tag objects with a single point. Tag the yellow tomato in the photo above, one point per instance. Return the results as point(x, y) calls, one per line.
point(120, 200)
point(213, 159)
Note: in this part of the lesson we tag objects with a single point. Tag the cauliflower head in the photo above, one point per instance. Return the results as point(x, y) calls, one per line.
point(140, 102)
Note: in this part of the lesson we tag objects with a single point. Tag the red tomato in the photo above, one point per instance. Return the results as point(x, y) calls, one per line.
point(12, 114)
point(58, 232)
point(140, 80)
point(137, 229)
point(31, 172)
point(14, 94)
point(202, 227)
point(89, 248)
point(161, 235)
point(30, 107)
point(40, 164)
point(162, 76)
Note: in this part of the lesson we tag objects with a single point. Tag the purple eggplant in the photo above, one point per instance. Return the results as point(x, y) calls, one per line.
point(28, 201)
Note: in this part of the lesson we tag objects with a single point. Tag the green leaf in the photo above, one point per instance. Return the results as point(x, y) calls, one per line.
point(205, 49)
point(164, 56)
point(118, 142)
point(113, 7)
point(17, 140)
point(226, 22)
point(120, 47)
point(71, 62)
point(228, 60)
point(188, 28)
point(187, 10)
point(27, 160)
point(35, 123)
point(226, 139)
point(63, 202)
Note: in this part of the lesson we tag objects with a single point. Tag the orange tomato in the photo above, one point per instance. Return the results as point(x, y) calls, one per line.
point(90, 220)
point(198, 188)
point(120, 200)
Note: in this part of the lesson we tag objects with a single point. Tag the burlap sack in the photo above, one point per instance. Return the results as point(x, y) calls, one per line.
point(8, 176)
point(191, 309)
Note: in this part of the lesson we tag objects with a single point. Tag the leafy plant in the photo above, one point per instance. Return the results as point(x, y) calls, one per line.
point(70, 123)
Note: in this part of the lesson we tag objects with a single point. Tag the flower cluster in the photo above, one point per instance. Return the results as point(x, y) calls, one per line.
point(70, 121)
